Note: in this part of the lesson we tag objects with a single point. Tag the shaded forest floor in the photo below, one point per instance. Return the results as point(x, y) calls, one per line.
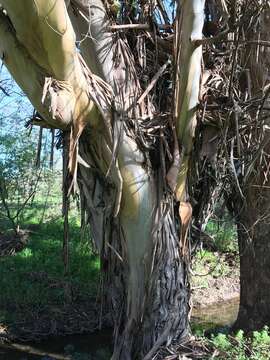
point(38, 299)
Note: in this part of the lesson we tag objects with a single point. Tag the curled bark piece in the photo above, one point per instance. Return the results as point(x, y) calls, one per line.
point(185, 213)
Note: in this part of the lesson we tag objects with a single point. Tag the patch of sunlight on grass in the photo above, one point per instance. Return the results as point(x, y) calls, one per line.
point(25, 253)
point(96, 264)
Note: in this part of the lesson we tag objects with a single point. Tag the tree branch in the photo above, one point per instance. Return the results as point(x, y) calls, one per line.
point(189, 25)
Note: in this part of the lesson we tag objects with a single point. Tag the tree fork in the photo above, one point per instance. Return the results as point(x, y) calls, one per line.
point(146, 276)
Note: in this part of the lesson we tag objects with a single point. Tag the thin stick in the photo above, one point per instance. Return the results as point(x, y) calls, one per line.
point(219, 38)
point(153, 81)
point(212, 40)
point(65, 206)
point(137, 27)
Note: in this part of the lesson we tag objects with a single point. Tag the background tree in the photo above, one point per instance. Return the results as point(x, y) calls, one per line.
point(19, 176)
point(253, 210)
point(18, 179)
point(128, 144)
point(235, 131)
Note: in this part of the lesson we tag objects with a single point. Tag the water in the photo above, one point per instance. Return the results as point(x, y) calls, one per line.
point(98, 346)
point(217, 315)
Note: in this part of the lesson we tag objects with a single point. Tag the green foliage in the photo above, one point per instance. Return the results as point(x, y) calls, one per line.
point(34, 280)
point(221, 342)
point(261, 343)
point(224, 235)
point(19, 177)
point(241, 347)
point(115, 7)
point(210, 263)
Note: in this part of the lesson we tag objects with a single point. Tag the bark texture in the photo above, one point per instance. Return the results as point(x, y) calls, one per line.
point(254, 247)
point(253, 213)
point(93, 94)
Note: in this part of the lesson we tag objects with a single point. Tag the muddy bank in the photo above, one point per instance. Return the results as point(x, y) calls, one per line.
point(214, 306)
point(215, 280)
point(219, 291)
point(98, 345)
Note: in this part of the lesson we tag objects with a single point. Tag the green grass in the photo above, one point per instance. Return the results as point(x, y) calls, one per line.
point(34, 278)
point(224, 234)
point(208, 265)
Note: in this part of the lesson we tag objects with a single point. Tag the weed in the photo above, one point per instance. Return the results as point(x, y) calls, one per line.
point(239, 346)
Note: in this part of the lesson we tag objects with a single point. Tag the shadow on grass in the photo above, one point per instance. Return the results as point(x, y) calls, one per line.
point(34, 279)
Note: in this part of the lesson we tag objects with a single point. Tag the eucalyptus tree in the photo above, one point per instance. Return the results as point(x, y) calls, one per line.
point(122, 84)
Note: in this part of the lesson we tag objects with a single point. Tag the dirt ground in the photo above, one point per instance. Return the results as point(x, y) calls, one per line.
point(219, 290)
point(212, 286)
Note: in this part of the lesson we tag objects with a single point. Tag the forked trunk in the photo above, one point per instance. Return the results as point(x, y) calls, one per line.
point(145, 279)
point(130, 200)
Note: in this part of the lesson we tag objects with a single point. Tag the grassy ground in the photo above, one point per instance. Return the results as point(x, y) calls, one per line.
point(38, 299)
point(216, 267)
point(33, 282)
point(215, 277)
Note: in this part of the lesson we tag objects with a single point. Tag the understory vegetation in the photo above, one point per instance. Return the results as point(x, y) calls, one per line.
point(41, 297)
point(238, 347)
point(34, 284)
point(36, 289)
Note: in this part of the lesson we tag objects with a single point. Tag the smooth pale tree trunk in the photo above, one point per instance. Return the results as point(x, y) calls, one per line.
point(125, 199)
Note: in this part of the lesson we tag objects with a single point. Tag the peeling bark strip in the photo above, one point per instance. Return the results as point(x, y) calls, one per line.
point(98, 96)
point(185, 213)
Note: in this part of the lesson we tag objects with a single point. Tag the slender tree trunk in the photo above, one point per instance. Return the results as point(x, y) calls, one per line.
point(39, 147)
point(52, 149)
